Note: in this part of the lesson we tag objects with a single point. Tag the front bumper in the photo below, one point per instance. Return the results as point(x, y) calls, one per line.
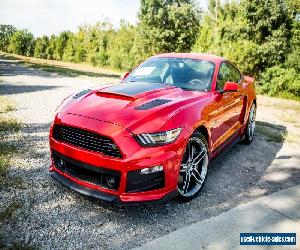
point(102, 195)
point(134, 159)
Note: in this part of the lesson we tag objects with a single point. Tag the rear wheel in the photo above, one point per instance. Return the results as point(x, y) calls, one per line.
point(193, 169)
point(250, 129)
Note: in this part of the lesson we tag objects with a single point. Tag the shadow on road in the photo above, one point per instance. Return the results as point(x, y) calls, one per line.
point(19, 89)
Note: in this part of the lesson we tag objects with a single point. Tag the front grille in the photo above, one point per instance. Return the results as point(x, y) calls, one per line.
point(102, 177)
point(86, 140)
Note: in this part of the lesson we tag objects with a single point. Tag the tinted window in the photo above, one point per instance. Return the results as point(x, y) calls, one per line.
point(227, 73)
point(185, 73)
point(235, 75)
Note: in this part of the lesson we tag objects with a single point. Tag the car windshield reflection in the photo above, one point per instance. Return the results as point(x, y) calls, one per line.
point(188, 74)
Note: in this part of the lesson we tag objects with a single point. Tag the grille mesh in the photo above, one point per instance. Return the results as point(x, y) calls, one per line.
point(86, 140)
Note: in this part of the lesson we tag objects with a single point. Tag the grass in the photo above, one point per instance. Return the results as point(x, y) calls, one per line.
point(64, 68)
point(8, 125)
point(6, 104)
point(278, 103)
point(67, 71)
point(9, 211)
point(290, 118)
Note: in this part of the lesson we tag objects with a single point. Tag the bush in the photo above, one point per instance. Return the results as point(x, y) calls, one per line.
point(282, 82)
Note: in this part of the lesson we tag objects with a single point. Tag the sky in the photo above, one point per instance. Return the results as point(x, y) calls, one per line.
point(46, 17)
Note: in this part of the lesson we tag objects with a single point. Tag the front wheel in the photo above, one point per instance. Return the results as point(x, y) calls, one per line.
point(250, 129)
point(193, 169)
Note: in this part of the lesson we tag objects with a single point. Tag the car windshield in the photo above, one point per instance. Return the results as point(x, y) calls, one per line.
point(188, 74)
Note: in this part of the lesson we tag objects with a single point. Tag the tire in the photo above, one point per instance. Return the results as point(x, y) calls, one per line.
point(250, 128)
point(193, 169)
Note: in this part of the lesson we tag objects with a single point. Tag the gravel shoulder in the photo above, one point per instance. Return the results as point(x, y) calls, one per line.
point(53, 217)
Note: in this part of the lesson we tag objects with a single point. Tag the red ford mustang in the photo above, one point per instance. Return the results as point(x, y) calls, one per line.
point(152, 136)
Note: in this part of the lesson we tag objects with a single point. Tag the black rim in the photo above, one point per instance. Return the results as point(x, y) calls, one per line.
point(193, 168)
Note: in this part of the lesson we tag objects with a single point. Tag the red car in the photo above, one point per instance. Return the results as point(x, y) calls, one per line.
point(152, 136)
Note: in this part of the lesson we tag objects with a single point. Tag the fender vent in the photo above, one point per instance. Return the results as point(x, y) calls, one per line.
point(152, 104)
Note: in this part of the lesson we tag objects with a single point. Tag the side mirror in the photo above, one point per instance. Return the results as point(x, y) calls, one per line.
point(231, 87)
point(123, 76)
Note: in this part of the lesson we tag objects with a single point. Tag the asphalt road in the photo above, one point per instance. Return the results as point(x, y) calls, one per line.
point(54, 217)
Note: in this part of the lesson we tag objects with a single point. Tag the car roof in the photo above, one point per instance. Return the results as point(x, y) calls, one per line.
point(200, 56)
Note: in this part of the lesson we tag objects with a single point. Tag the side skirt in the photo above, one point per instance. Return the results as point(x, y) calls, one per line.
point(234, 139)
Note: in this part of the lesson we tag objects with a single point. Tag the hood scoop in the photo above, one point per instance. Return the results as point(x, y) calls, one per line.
point(115, 96)
point(152, 104)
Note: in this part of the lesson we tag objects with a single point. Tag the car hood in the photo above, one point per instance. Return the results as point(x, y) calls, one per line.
point(138, 107)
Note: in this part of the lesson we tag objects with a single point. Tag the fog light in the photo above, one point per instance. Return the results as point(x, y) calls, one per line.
point(152, 170)
point(111, 181)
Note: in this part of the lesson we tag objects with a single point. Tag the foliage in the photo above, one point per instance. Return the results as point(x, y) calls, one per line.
point(40, 48)
point(167, 26)
point(120, 49)
point(60, 44)
point(261, 36)
point(51, 47)
point(255, 34)
point(293, 60)
point(278, 81)
point(6, 31)
point(268, 24)
point(21, 43)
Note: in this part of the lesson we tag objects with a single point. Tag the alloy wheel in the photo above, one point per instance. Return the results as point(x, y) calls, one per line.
point(251, 123)
point(193, 168)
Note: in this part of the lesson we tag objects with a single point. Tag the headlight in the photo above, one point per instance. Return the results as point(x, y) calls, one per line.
point(157, 139)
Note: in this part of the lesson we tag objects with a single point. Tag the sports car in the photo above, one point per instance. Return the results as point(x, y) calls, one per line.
point(151, 137)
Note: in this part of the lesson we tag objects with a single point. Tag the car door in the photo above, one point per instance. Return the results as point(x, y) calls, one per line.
point(228, 107)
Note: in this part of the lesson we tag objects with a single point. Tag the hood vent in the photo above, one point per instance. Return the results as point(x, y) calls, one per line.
point(152, 104)
point(115, 96)
point(82, 93)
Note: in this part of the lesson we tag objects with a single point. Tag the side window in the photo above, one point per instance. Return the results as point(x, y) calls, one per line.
point(223, 76)
point(227, 73)
point(235, 75)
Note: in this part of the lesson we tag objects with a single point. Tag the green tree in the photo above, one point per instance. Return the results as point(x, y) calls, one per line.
point(97, 41)
point(40, 48)
point(22, 43)
point(255, 34)
point(293, 60)
point(268, 24)
point(69, 51)
point(166, 26)
point(6, 31)
point(80, 51)
point(60, 44)
point(51, 47)
point(120, 54)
